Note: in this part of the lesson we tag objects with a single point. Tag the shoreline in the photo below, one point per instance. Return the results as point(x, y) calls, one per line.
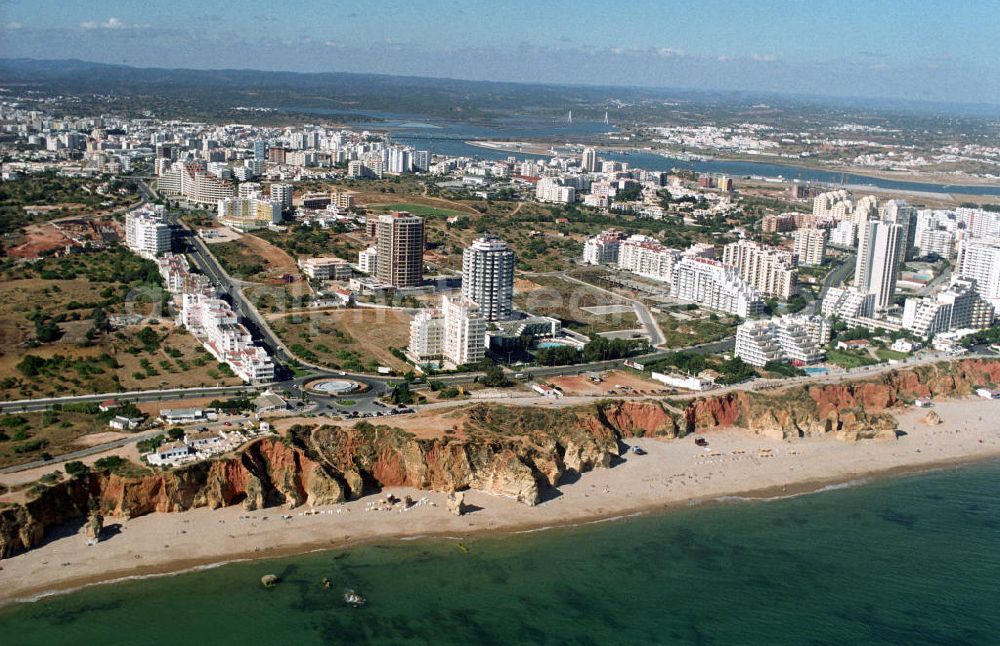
point(753, 496)
point(674, 474)
point(969, 182)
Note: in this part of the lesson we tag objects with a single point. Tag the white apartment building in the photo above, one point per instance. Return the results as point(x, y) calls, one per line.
point(367, 260)
point(936, 242)
point(980, 223)
point(824, 203)
point(958, 307)
point(249, 214)
point(464, 332)
point(646, 257)
point(603, 249)
point(426, 338)
point(589, 161)
point(192, 181)
point(979, 259)
point(282, 194)
point(213, 321)
point(901, 213)
point(810, 246)
point(178, 277)
point(325, 268)
point(488, 277)
point(880, 254)
point(766, 269)
point(248, 190)
point(452, 336)
point(716, 286)
point(796, 339)
point(848, 303)
point(551, 190)
point(845, 234)
point(147, 232)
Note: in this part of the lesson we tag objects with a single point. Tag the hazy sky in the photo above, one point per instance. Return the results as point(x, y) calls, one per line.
point(944, 50)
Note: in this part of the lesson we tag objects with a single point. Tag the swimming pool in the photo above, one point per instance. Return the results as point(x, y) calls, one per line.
point(816, 371)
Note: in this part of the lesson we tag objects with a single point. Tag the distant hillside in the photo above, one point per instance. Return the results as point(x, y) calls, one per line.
point(212, 93)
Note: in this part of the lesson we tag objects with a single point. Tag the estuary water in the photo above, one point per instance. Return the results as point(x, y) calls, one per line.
point(449, 138)
point(911, 560)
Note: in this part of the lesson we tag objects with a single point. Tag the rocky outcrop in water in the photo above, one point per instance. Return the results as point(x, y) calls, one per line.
point(503, 450)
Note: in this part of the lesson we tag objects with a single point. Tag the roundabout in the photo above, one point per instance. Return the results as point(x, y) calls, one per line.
point(331, 387)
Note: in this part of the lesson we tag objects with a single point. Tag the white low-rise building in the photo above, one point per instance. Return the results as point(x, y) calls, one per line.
point(250, 213)
point(169, 453)
point(213, 321)
point(796, 339)
point(847, 303)
point(325, 268)
point(687, 382)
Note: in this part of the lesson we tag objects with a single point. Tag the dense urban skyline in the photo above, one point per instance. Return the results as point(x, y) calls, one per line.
point(928, 51)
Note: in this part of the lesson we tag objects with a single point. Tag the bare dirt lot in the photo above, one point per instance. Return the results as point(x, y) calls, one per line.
point(615, 382)
point(39, 239)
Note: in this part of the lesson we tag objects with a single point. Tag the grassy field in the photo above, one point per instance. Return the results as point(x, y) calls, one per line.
point(254, 259)
point(562, 299)
point(701, 327)
point(47, 196)
point(885, 354)
point(51, 311)
point(349, 339)
point(848, 360)
point(27, 436)
point(308, 241)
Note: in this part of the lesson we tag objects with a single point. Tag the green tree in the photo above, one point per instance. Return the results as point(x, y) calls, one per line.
point(76, 468)
point(495, 377)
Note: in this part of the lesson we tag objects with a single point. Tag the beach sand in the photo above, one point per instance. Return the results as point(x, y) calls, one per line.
point(673, 473)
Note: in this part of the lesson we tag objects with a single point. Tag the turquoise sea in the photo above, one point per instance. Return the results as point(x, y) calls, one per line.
point(911, 560)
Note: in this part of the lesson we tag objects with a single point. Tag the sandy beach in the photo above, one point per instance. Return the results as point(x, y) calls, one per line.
point(673, 473)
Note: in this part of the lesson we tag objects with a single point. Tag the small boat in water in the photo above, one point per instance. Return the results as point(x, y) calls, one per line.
point(353, 599)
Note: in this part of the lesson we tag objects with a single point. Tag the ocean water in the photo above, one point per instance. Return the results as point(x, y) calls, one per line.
point(913, 560)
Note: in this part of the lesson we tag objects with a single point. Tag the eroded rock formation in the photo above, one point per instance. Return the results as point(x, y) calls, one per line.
point(504, 450)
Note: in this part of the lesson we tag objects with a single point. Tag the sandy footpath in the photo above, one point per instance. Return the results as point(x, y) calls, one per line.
point(672, 473)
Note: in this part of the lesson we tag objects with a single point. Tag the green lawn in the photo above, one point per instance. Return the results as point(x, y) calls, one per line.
point(848, 360)
point(890, 355)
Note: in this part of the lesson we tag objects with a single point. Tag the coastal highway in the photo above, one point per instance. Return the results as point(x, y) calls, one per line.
point(134, 396)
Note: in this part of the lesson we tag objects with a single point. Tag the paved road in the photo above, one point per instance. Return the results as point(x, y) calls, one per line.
point(82, 453)
point(135, 396)
point(645, 316)
point(834, 278)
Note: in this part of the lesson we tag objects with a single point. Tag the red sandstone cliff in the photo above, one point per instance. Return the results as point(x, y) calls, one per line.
point(510, 451)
